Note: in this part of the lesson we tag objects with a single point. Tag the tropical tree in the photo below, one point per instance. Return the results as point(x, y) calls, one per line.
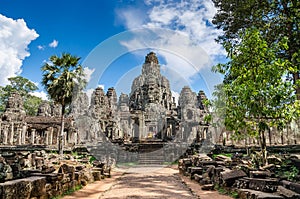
point(62, 78)
point(255, 94)
point(276, 20)
point(24, 87)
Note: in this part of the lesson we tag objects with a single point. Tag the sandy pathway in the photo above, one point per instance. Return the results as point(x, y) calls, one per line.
point(161, 183)
point(145, 183)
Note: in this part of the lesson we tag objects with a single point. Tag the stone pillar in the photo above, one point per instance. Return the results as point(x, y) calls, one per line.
point(141, 126)
point(5, 135)
point(11, 136)
point(33, 136)
point(19, 131)
point(75, 137)
point(24, 129)
point(50, 135)
point(46, 137)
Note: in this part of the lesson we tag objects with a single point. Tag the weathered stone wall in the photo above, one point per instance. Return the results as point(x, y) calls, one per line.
point(38, 174)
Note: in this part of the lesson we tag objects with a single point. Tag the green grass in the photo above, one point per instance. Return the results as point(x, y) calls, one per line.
point(69, 192)
point(224, 191)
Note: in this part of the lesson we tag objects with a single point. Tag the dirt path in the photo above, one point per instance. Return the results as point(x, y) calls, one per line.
point(145, 183)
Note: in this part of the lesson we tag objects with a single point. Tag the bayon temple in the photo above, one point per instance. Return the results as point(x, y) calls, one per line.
point(148, 113)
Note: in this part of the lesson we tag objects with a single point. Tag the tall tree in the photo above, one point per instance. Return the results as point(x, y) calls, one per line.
point(276, 19)
point(63, 77)
point(24, 87)
point(255, 95)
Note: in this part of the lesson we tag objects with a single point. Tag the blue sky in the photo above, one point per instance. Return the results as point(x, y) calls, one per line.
point(112, 38)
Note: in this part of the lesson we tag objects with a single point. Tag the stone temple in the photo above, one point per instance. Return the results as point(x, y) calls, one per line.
point(148, 114)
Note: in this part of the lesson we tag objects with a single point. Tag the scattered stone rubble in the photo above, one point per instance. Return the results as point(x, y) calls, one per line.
point(237, 175)
point(42, 175)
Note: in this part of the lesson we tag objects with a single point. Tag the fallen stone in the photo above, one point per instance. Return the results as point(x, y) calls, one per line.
point(96, 175)
point(46, 169)
point(23, 188)
point(198, 177)
point(259, 174)
point(252, 194)
point(223, 158)
point(228, 177)
point(265, 185)
point(291, 186)
point(196, 170)
point(288, 194)
point(207, 187)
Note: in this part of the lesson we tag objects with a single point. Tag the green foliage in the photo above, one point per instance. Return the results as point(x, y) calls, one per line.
point(92, 159)
point(287, 170)
point(292, 173)
point(276, 20)
point(24, 87)
point(224, 191)
point(31, 105)
point(68, 192)
point(254, 95)
point(62, 78)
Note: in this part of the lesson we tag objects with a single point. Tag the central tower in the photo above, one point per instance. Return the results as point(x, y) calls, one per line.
point(150, 100)
point(150, 87)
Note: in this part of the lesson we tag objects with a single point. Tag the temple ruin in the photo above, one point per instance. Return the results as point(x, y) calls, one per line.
point(148, 113)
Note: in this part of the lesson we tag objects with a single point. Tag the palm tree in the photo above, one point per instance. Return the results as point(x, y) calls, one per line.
point(63, 77)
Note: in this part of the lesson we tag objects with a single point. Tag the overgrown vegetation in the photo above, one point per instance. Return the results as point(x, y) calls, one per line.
point(224, 191)
point(287, 170)
point(68, 192)
point(24, 87)
point(261, 86)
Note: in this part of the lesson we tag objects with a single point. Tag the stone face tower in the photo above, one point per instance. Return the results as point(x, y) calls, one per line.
point(150, 100)
point(150, 87)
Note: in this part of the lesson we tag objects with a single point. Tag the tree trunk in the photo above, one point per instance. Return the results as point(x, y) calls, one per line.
point(270, 136)
point(61, 136)
point(263, 147)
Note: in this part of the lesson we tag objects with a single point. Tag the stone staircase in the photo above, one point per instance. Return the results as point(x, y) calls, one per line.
point(151, 154)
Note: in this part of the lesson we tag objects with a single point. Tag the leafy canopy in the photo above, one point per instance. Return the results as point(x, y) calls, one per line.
point(275, 19)
point(24, 87)
point(255, 95)
point(63, 77)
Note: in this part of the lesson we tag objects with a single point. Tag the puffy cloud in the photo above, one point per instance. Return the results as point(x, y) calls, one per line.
point(53, 44)
point(40, 94)
point(180, 32)
point(88, 73)
point(15, 37)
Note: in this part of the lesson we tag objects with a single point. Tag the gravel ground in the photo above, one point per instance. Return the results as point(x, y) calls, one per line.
point(162, 183)
point(145, 183)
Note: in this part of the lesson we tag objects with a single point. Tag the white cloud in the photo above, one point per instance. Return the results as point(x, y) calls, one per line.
point(131, 17)
point(53, 44)
point(41, 47)
point(40, 94)
point(88, 73)
point(15, 37)
point(181, 32)
point(183, 58)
